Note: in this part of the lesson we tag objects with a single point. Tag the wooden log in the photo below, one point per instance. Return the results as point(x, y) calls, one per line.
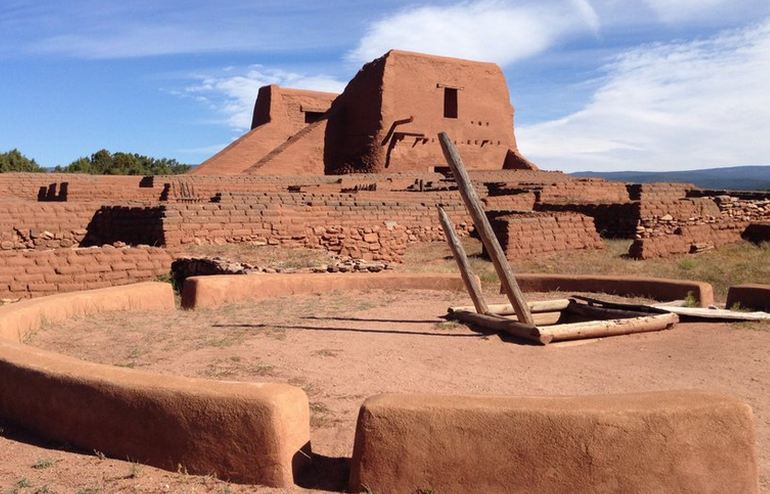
point(540, 318)
point(458, 252)
point(701, 314)
point(534, 307)
point(497, 323)
point(484, 229)
point(613, 327)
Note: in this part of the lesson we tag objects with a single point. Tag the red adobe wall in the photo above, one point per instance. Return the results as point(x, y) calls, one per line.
point(388, 118)
point(207, 292)
point(300, 154)
point(243, 432)
point(279, 115)
point(660, 289)
point(34, 273)
point(584, 191)
point(750, 296)
point(689, 239)
point(347, 224)
point(659, 191)
point(44, 225)
point(672, 441)
point(523, 235)
point(80, 187)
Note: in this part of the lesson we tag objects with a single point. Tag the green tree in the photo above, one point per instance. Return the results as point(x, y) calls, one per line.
point(103, 162)
point(14, 161)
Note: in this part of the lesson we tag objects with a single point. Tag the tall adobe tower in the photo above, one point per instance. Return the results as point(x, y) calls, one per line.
point(389, 115)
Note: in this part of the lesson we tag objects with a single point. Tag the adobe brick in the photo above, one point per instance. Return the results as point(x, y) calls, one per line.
point(70, 269)
point(30, 278)
point(41, 287)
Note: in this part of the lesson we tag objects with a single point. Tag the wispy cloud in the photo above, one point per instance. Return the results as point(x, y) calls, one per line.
point(94, 29)
point(493, 30)
point(669, 106)
point(699, 10)
point(232, 92)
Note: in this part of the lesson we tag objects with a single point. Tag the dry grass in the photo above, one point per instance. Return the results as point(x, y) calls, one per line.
point(724, 267)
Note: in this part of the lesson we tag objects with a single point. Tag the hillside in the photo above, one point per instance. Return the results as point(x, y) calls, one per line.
point(735, 177)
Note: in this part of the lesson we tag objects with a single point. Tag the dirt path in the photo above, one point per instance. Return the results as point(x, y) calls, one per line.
point(342, 348)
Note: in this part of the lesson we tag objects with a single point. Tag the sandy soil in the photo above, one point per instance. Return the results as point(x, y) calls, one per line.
point(342, 348)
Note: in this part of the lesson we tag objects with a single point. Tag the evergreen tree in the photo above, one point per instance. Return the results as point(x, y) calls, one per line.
point(103, 162)
point(14, 161)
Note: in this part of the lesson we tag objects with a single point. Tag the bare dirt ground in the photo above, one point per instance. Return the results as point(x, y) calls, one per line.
point(343, 347)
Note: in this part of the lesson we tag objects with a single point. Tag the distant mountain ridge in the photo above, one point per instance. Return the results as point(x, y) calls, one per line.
point(752, 177)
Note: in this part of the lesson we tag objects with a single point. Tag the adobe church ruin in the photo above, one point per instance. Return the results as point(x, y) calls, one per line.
point(358, 174)
point(385, 121)
point(361, 175)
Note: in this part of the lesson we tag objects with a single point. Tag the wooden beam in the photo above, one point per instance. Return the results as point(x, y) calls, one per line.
point(497, 323)
point(612, 327)
point(541, 318)
point(484, 229)
point(534, 307)
point(458, 252)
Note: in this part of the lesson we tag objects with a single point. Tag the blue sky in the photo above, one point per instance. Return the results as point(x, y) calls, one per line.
point(597, 84)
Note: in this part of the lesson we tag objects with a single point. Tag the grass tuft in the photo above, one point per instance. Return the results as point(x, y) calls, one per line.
point(43, 463)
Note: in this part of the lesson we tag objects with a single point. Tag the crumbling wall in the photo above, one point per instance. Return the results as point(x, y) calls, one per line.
point(43, 225)
point(76, 187)
point(347, 224)
point(717, 221)
point(34, 273)
point(611, 220)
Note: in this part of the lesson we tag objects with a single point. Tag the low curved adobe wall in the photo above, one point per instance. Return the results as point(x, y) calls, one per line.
point(655, 288)
point(749, 296)
point(244, 432)
point(214, 291)
point(684, 442)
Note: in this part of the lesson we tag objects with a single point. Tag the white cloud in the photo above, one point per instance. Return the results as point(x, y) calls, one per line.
point(232, 95)
point(493, 30)
point(668, 106)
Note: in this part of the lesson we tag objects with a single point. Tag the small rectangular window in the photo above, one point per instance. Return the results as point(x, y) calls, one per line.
point(450, 102)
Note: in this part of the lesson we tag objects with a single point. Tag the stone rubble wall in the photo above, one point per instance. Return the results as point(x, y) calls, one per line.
point(722, 220)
